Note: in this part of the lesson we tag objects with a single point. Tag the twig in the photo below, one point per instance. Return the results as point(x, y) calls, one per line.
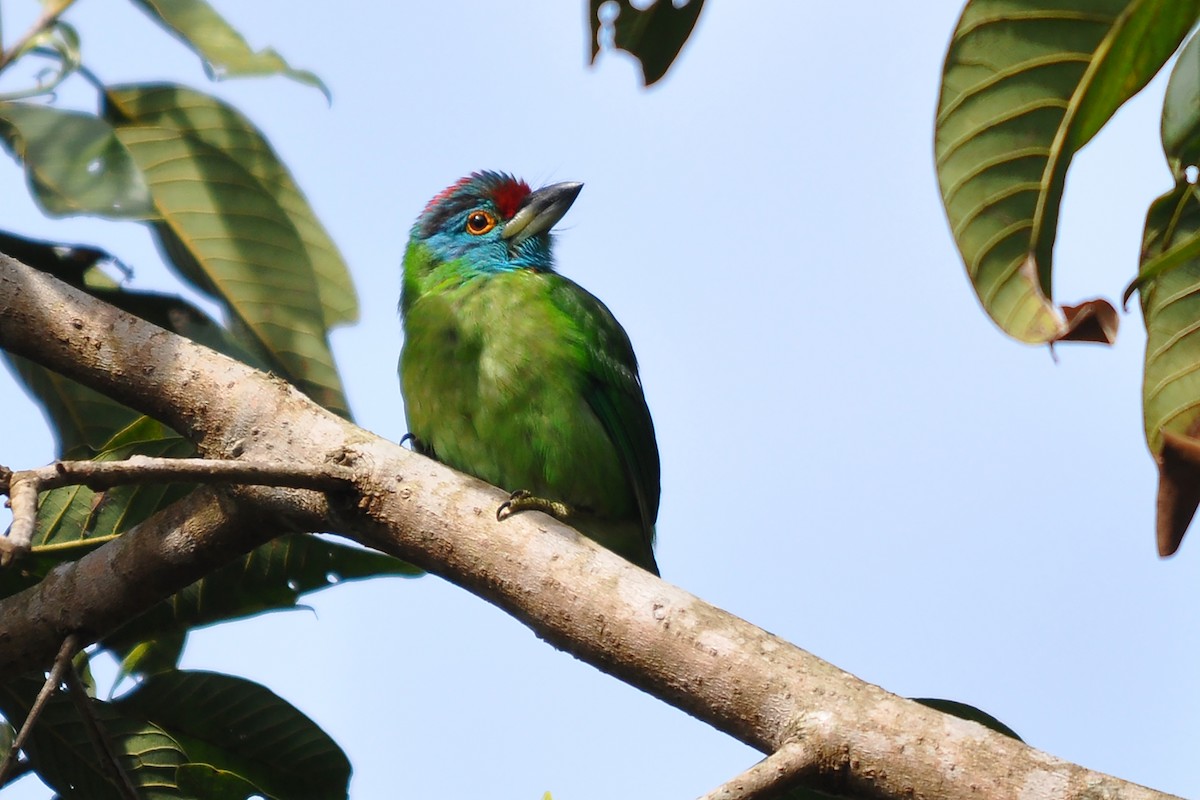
point(770, 778)
point(50, 15)
point(23, 498)
point(24, 486)
point(70, 647)
point(108, 759)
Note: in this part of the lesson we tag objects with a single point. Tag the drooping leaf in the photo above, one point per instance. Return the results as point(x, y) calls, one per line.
point(1171, 388)
point(272, 577)
point(74, 163)
point(249, 251)
point(214, 122)
point(969, 713)
point(1169, 287)
point(244, 728)
point(63, 756)
point(653, 35)
point(224, 51)
point(1026, 84)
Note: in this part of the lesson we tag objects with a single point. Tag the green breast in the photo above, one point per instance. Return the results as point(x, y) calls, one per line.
point(493, 375)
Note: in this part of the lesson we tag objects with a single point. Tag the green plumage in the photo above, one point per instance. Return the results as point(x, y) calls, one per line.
point(515, 374)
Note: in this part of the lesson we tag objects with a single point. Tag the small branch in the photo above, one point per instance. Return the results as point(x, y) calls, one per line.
point(23, 487)
point(108, 758)
point(50, 15)
point(70, 647)
point(23, 499)
point(770, 778)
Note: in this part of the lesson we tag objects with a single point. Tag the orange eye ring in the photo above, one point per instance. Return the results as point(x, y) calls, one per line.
point(480, 222)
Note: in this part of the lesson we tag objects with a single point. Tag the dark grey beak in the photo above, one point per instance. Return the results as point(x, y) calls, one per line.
point(541, 211)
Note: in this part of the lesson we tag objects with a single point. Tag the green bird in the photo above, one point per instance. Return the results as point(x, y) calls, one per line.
point(516, 375)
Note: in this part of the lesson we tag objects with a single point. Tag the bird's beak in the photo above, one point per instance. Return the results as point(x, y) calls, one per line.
point(541, 211)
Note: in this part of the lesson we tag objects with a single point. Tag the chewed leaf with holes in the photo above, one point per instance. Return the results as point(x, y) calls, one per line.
point(652, 34)
point(74, 162)
point(1025, 85)
point(224, 51)
point(244, 728)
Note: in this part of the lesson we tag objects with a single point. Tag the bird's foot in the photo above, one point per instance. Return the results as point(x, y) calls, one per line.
point(417, 445)
point(524, 500)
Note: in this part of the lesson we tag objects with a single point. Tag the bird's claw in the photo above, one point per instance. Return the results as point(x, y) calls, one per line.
point(524, 500)
point(417, 445)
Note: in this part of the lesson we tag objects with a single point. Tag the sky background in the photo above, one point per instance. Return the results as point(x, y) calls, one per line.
point(854, 457)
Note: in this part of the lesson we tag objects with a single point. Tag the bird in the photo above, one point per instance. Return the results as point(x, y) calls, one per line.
point(517, 375)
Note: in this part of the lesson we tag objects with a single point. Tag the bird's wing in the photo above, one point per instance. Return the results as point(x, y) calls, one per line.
point(614, 393)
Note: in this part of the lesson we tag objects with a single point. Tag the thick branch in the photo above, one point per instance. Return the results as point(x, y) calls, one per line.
point(579, 597)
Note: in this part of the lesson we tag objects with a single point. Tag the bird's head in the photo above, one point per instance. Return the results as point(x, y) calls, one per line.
point(491, 222)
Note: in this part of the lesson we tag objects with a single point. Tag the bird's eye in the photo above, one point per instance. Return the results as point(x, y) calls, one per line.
point(480, 222)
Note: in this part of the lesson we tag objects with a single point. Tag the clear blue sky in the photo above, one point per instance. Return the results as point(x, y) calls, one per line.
point(853, 457)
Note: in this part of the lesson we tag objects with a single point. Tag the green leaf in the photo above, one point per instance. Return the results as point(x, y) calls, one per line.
point(74, 163)
point(1170, 307)
point(250, 252)
point(70, 515)
point(1181, 111)
point(210, 783)
point(272, 577)
point(969, 713)
point(203, 117)
point(653, 35)
point(63, 756)
point(224, 51)
point(241, 727)
point(1171, 388)
point(8, 735)
point(1025, 85)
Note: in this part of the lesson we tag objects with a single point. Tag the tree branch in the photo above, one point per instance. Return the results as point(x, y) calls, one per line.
point(770, 778)
point(766, 692)
point(23, 486)
point(62, 661)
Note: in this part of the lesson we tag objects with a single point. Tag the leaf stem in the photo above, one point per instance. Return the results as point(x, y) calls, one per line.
point(49, 16)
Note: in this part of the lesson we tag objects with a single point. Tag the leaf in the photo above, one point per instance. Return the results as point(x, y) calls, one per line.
point(63, 756)
point(218, 124)
point(73, 514)
point(272, 577)
point(247, 247)
point(74, 163)
point(1181, 145)
point(242, 727)
point(653, 35)
point(1181, 111)
point(210, 783)
point(224, 51)
point(1025, 85)
point(1171, 388)
point(969, 713)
